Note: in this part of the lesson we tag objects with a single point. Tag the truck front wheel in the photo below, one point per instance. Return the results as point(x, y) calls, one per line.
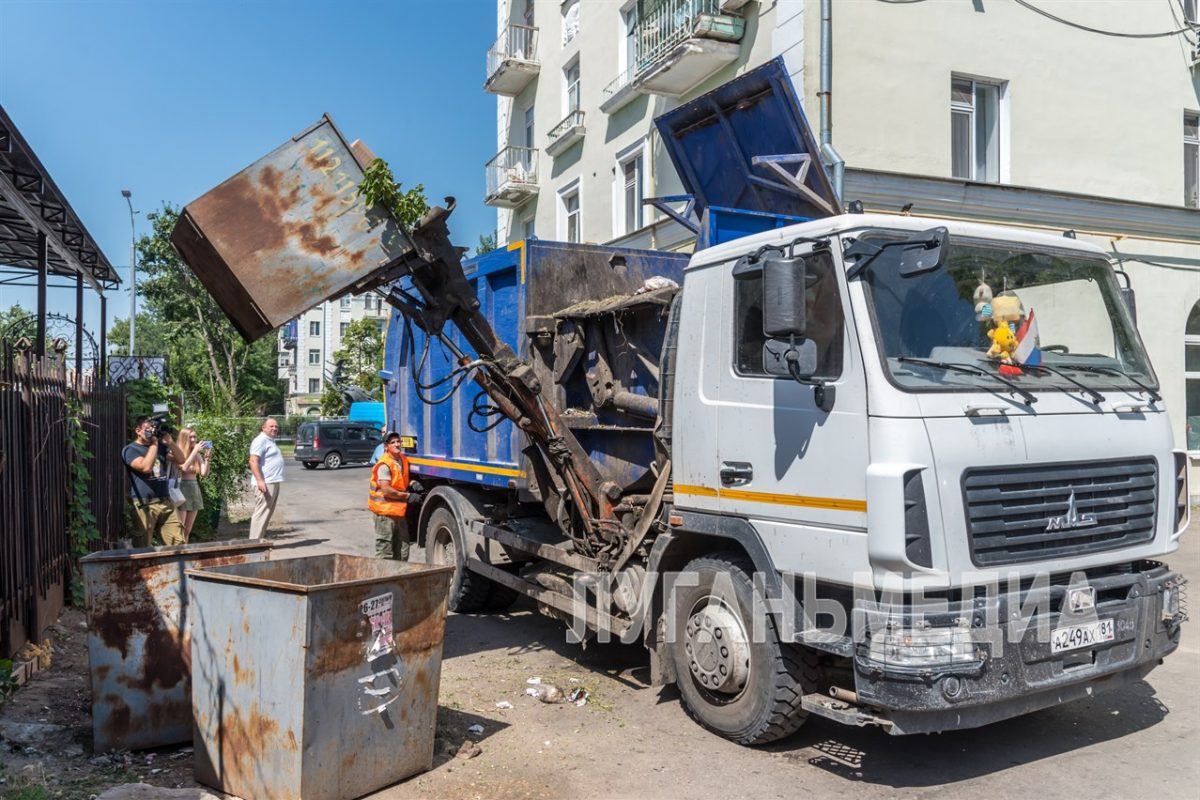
point(743, 686)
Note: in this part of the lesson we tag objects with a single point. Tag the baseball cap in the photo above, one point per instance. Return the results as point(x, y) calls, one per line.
point(391, 435)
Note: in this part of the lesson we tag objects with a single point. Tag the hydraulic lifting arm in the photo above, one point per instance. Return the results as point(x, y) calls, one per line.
point(585, 507)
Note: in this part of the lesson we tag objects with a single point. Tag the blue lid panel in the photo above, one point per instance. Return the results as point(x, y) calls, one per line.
point(713, 140)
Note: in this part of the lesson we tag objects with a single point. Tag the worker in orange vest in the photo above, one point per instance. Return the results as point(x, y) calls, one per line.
point(389, 499)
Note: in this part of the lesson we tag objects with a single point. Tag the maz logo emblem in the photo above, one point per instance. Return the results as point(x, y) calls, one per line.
point(1072, 519)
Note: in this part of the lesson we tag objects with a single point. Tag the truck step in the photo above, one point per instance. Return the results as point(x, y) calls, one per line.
point(840, 711)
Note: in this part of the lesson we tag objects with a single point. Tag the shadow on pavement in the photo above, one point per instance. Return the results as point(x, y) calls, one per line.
point(872, 756)
point(452, 725)
point(523, 630)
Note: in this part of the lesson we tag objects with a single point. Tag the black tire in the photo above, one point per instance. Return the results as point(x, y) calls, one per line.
point(502, 597)
point(756, 698)
point(468, 591)
point(333, 460)
point(310, 464)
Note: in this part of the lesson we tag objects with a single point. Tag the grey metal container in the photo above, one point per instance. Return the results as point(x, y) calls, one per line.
point(137, 609)
point(315, 678)
point(288, 231)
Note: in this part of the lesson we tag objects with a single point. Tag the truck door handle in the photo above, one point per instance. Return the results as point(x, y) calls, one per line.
point(736, 473)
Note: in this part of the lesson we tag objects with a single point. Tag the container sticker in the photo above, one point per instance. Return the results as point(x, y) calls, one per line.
point(379, 690)
point(378, 611)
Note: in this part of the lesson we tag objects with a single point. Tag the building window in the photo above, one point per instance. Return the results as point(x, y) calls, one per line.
point(314, 356)
point(975, 129)
point(314, 329)
point(570, 21)
point(630, 188)
point(570, 227)
point(1191, 160)
point(345, 326)
point(1191, 12)
point(1191, 378)
point(571, 86)
point(529, 127)
point(629, 23)
point(379, 325)
point(528, 227)
point(345, 301)
point(314, 385)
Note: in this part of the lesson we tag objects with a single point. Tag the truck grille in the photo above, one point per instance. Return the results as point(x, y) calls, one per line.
point(1017, 514)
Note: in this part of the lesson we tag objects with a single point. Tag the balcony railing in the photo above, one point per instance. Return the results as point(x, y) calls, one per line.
point(566, 133)
point(679, 43)
point(512, 177)
point(512, 61)
point(619, 91)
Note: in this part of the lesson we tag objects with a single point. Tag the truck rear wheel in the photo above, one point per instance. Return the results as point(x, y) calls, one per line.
point(468, 591)
point(745, 690)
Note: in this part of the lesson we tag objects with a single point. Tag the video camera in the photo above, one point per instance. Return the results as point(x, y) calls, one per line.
point(160, 425)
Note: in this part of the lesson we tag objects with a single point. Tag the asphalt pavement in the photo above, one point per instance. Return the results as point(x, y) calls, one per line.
point(1143, 741)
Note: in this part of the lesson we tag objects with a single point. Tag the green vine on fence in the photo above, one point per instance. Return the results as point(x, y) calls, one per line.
point(81, 522)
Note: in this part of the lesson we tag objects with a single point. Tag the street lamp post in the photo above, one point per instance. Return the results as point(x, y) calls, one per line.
point(132, 273)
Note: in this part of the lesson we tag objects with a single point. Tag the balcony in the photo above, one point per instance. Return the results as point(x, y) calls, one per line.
point(512, 61)
point(511, 177)
point(566, 133)
point(679, 44)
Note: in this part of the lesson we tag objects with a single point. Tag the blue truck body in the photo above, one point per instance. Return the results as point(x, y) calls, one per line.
point(518, 287)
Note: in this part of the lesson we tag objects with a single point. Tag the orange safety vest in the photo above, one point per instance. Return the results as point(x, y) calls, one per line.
point(376, 501)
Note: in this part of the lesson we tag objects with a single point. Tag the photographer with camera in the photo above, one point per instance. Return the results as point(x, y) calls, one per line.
point(147, 459)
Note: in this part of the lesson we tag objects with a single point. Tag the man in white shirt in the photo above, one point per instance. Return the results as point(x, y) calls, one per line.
point(266, 464)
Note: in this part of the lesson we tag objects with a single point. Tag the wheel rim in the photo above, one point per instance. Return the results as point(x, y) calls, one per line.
point(717, 648)
point(443, 552)
point(333, 461)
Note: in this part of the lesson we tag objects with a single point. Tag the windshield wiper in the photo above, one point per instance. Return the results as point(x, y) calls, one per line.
point(1095, 396)
point(968, 369)
point(1097, 370)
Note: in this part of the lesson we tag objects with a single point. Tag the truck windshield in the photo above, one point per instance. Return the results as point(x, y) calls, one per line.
point(1045, 319)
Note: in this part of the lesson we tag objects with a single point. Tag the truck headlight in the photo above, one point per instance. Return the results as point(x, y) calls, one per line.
point(906, 647)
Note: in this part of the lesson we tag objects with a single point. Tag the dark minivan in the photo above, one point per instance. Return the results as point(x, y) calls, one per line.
point(335, 443)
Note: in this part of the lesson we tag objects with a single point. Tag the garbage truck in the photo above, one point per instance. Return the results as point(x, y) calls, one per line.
point(889, 470)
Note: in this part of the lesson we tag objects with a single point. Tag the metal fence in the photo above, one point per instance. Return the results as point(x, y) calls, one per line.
point(35, 485)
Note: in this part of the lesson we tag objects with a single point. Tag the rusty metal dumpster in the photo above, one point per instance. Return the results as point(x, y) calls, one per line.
point(288, 231)
point(315, 677)
point(138, 643)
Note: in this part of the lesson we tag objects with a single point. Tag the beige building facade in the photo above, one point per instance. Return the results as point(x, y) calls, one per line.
point(1043, 114)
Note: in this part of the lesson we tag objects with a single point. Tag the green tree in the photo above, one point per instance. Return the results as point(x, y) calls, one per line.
point(487, 243)
point(16, 322)
point(332, 402)
point(361, 355)
point(153, 337)
point(207, 358)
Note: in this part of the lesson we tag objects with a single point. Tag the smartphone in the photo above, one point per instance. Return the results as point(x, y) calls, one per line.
point(206, 444)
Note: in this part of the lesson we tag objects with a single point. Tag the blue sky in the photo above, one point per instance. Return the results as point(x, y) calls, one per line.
point(167, 99)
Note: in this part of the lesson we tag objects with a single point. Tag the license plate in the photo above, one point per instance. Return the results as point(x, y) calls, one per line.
point(1073, 637)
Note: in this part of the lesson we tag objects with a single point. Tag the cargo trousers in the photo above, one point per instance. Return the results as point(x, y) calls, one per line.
point(391, 535)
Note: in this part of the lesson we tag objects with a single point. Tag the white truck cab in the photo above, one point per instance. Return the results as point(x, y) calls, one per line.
point(970, 517)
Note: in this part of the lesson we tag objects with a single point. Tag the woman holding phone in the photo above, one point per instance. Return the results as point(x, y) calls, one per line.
point(194, 467)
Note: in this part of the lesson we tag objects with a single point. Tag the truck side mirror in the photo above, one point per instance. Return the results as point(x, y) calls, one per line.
point(925, 252)
point(783, 297)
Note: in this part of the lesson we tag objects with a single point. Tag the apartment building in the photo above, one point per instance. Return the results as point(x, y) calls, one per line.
point(1036, 113)
point(307, 345)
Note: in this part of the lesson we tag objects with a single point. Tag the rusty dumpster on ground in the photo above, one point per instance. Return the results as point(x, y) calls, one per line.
point(288, 231)
point(315, 677)
point(137, 612)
